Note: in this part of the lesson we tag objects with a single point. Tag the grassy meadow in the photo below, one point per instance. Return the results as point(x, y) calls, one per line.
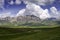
point(30, 33)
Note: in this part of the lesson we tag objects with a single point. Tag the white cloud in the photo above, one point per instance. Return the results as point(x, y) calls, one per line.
point(45, 14)
point(33, 9)
point(5, 14)
point(1, 4)
point(18, 2)
point(39, 2)
point(11, 2)
point(21, 12)
point(54, 12)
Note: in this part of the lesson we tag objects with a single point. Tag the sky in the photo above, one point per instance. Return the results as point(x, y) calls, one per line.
point(40, 8)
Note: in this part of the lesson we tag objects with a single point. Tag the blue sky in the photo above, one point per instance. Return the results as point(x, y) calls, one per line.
point(22, 5)
point(56, 4)
point(16, 7)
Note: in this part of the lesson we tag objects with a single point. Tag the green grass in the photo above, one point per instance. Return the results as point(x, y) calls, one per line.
point(30, 33)
point(43, 24)
point(28, 26)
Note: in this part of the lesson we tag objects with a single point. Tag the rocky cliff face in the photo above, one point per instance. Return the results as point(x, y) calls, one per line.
point(27, 18)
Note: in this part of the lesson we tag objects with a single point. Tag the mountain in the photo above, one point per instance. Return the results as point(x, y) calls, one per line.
point(28, 20)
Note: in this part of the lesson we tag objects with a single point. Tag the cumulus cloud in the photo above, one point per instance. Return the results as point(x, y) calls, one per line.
point(11, 2)
point(1, 4)
point(54, 12)
point(33, 9)
point(39, 2)
point(45, 14)
point(18, 1)
point(21, 12)
point(5, 14)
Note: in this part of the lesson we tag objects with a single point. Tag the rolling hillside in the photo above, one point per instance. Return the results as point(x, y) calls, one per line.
point(30, 33)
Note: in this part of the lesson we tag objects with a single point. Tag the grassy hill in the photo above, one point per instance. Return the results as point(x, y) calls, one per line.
point(44, 24)
point(30, 33)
